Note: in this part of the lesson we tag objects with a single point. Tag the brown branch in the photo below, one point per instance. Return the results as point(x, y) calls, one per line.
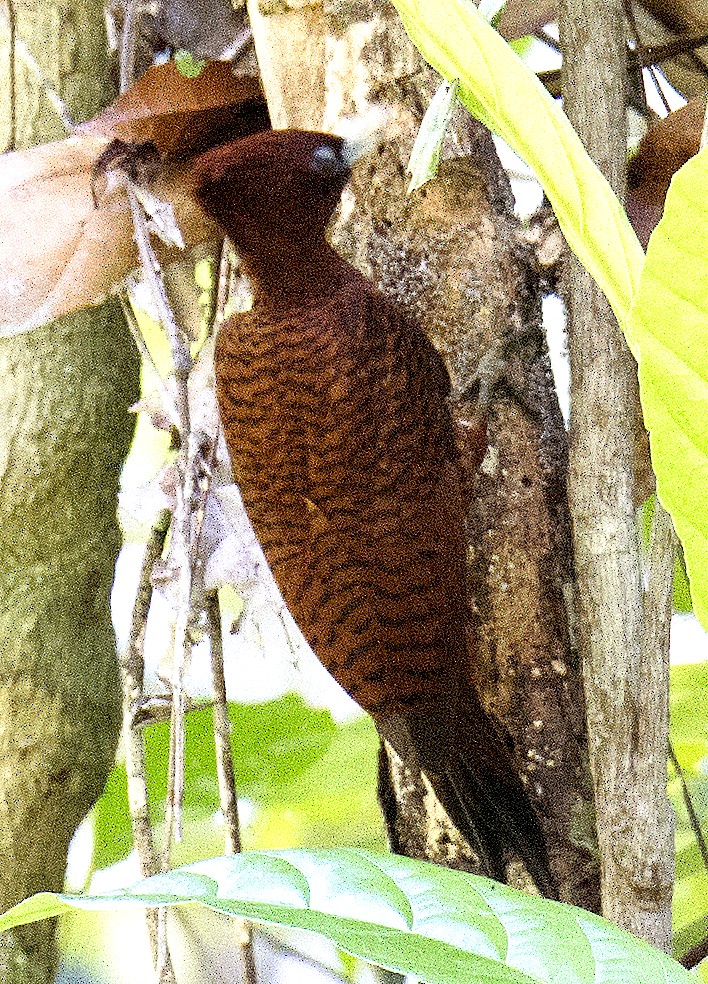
point(619, 654)
point(225, 771)
point(168, 402)
point(156, 921)
point(132, 674)
point(222, 730)
point(645, 58)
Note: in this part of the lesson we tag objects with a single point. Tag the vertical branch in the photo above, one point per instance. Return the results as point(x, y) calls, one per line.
point(181, 541)
point(225, 771)
point(132, 668)
point(618, 660)
point(222, 730)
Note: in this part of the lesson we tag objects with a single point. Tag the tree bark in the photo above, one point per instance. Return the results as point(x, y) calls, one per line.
point(626, 678)
point(451, 256)
point(64, 396)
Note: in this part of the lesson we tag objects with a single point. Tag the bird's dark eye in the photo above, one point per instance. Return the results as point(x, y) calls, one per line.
point(325, 160)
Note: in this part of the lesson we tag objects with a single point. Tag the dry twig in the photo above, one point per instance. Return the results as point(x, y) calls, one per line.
point(225, 769)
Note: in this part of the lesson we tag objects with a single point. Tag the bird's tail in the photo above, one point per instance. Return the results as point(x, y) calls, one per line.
point(473, 775)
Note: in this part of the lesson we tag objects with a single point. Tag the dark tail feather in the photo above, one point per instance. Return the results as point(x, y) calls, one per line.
point(472, 772)
point(494, 814)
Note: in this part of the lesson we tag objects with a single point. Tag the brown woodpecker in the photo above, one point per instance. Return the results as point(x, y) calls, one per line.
point(335, 410)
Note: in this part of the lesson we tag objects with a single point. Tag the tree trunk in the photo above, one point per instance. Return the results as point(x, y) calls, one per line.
point(450, 255)
point(64, 396)
point(626, 679)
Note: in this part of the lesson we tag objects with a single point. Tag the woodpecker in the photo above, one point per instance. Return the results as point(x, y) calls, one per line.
point(335, 409)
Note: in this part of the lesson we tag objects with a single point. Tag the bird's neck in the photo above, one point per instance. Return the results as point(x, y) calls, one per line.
point(292, 274)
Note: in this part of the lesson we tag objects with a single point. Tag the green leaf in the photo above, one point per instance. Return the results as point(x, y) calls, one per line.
point(689, 738)
point(188, 65)
point(425, 156)
point(445, 927)
point(670, 322)
point(331, 802)
point(689, 716)
point(506, 96)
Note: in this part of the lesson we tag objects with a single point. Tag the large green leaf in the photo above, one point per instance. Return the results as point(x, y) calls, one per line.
point(670, 322)
point(446, 927)
point(506, 96)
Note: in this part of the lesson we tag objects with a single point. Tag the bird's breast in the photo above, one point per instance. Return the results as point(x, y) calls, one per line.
point(338, 441)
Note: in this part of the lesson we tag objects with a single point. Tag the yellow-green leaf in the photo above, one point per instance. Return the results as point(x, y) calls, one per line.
point(669, 323)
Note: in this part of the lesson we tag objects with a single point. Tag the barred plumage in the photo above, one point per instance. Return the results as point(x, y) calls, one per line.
point(355, 500)
point(335, 412)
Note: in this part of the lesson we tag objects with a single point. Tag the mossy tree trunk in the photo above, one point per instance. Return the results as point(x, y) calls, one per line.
point(64, 396)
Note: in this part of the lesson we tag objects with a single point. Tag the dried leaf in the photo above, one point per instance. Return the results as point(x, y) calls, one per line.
point(666, 147)
point(58, 253)
point(181, 115)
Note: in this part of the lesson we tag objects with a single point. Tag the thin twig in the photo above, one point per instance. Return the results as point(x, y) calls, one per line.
point(129, 43)
point(180, 544)
point(225, 770)
point(132, 671)
point(168, 402)
point(155, 921)
point(241, 43)
point(224, 281)
point(641, 53)
point(132, 674)
point(222, 730)
point(180, 549)
point(191, 494)
point(548, 39)
point(178, 343)
point(645, 58)
point(20, 49)
point(688, 802)
point(180, 558)
point(158, 709)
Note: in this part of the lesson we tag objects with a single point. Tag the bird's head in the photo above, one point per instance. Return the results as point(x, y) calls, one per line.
point(282, 184)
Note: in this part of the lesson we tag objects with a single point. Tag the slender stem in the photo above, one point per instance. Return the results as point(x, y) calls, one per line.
point(222, 730)
point(132, 673)
point(225, 771)
point(224, 281)
point(179, 542)
point(129, 41)
point(688, 802)
point(168, 402)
